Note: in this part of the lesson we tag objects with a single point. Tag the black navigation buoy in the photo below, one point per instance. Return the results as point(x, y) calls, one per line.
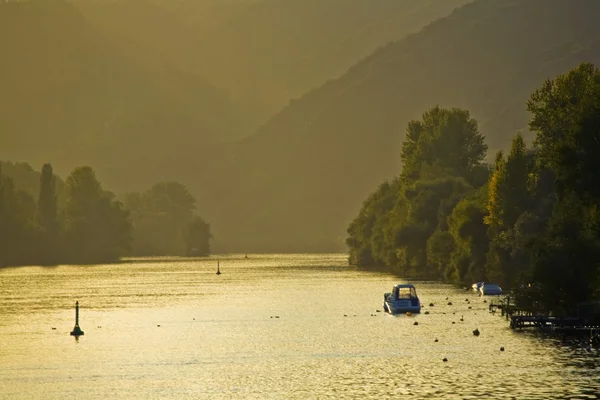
point(218, 269)
point(77, 330)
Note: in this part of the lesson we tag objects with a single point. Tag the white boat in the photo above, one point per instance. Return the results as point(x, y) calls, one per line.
point(476, 286)
point(402, 299)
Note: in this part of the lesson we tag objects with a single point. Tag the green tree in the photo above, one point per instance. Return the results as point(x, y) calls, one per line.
point(566, 118)
point(47, 218)
point(508, 198)
point(447, 139)
point(566, 258)
point(197, 237)
point(440, 247)
point(18, 233)
point(47, 202)
point(97, 227)
point(469, 232)
point(164, 222)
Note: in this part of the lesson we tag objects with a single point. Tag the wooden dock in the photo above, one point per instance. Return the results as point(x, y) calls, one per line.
point(546, 322)
point(523, 319)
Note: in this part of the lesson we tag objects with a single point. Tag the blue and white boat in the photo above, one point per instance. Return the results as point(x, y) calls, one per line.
point(402, 299)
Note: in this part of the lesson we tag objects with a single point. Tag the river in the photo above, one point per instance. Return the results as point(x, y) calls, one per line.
point(268, 327)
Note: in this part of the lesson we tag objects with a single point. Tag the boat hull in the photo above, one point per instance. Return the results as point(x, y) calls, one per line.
point(402, 306)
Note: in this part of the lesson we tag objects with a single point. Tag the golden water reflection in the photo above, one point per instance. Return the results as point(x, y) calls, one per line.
point(271, 326)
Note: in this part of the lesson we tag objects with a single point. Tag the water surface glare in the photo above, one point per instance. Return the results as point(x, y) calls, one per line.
point(269, 327)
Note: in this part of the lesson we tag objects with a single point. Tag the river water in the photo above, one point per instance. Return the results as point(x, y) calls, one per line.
point(269, 327)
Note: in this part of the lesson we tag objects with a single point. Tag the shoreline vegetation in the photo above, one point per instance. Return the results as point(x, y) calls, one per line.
point(529, 222)
point(78, 222)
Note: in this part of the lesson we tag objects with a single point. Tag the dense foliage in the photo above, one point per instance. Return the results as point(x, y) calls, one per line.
point(90, 227)
point(164, 222)
point(77, 221)
point(530, 222)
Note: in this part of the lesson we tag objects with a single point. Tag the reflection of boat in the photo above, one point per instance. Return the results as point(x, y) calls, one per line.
point(402, 299)
point(490, 289)
point(476, 286)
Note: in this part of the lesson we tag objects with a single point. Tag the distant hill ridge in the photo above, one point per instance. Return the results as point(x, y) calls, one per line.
point(306, 172)
point(75, 94)
point(79, 90)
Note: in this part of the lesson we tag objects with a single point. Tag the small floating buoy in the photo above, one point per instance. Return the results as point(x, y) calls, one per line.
point(485, 301)
point(430, 304)
point(501, 348)
point(449, 303)
point(445, 359)
point(378, 310)
point(416, 323)
point(453, 322)
point(436, 340)
point(408, 314)
point(466, 299)
point(98, 327)
point(345, 315)
point(470, 307)
point(53, 328)
point(426, 312)
point(462, 317)
point(446, 298)
point(158, 326)
point(476, 332)
point(277, 316)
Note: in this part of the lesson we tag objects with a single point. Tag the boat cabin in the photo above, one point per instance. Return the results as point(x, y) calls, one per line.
point(404, 292)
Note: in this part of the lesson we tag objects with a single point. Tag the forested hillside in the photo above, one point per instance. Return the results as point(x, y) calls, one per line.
point(307, 171)
point(277, 50)
point(142, 92)
point(529, 223)
point(47, 221)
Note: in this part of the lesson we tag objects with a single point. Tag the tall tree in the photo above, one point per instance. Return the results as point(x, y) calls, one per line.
point(97, 227)
point(17, 225)
point(566, 119)
point(47, 202)
point(164, 222)
point(197, 237)
point(447, 139)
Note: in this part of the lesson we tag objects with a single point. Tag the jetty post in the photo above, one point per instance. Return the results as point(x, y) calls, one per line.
point(76, 330)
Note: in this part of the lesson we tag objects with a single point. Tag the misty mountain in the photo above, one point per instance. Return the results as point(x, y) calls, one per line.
point(73, 93)
point(300, 179)
point(277, 50)
point(168, 29)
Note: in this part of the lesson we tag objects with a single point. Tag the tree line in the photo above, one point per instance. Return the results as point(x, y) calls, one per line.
point(530, 221)
point(79, 222)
